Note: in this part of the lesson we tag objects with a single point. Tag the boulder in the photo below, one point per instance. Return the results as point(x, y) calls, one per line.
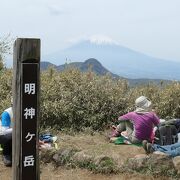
point(138, 162)
point(176, 162)
point(63, 156)
point(82, 157)
point(160, 159)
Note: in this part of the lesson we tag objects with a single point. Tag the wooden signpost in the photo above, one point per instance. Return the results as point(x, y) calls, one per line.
point(26, 86)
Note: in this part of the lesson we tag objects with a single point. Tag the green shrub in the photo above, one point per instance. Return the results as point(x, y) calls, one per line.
point(169, 104)
point(72, 99)
point(5, 89)
point(77, 100)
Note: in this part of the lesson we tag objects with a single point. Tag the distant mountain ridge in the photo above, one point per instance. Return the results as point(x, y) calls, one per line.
point(91, 63)
point(119, 60)
point(99, 69)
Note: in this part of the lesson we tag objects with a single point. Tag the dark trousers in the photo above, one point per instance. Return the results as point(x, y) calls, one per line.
point(6, 143)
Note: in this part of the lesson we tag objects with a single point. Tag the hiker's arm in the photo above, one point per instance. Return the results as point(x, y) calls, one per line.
point(125, 117)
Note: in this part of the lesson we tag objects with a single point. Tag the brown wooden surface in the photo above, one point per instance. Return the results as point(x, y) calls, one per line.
point(25, 51)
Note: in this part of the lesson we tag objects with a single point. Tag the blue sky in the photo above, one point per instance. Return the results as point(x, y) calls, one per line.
point(148, 26)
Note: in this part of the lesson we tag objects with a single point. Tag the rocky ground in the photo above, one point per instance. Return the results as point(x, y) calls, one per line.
point(90, 156)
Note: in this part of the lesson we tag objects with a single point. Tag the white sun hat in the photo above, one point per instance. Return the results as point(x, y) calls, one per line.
point(142, 104)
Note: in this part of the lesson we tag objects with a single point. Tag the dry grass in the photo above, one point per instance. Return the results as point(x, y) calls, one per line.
point(96, 145)
point(78, 174)
point(49, 173)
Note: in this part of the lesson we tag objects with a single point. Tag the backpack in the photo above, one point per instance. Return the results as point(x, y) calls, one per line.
point(166, 134)
point(175, 122)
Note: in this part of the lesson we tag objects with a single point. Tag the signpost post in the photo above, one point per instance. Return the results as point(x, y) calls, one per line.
point(26, 85)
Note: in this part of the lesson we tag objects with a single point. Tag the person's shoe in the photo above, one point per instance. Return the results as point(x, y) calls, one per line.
point(124, 134)
point(7, 160)
point(144, 144)
point(150, 149)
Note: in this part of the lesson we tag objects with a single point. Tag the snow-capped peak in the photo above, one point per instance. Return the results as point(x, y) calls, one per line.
point(100, 40)
point(95, 39)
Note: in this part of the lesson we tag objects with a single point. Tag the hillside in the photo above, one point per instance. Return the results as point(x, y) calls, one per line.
point(99, 69)
point(90, 64)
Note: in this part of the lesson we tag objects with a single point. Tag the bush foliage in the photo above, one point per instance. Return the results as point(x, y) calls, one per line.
point(5, 89)
point(72, 99)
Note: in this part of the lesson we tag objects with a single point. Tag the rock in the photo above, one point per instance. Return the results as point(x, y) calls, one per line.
point(138, 162)
point(160, 159)
point(141, 156)
point(176, 162)
point(102, 158)
point(105, 164)
point(63, 156)
point(82, 157)
point(46, 155)
point(160, 164)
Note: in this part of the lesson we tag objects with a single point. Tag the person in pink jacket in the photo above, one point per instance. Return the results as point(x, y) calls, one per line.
point(138, 125)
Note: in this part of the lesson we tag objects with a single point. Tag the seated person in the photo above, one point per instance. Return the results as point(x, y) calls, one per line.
point(172, 150)
point(138, 124)
point(6, 135)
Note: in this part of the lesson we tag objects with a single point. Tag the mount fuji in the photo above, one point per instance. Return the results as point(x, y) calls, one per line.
point(118, 59)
